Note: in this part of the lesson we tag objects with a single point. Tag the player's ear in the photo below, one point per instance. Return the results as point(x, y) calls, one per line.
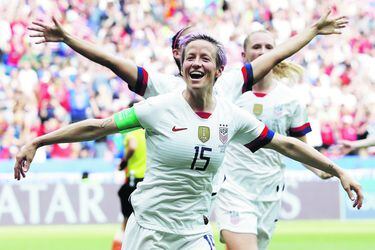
point(219, 71)
point(176, 54)
point(243, 54)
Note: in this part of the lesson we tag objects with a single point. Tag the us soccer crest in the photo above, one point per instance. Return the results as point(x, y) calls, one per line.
point(257, 109)
point(234, 217)
point(223, 133)
point(203, 133)
point(278, 110)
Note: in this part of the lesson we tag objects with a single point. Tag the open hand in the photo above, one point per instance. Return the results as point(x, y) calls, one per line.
point(350, 185)
point(327, 26)
point(23, 160)
point(47, 33)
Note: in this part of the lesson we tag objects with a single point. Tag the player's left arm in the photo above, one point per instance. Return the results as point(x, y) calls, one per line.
point(323, 175)
point(254, 135)
point(302, 152)
point(325, 26)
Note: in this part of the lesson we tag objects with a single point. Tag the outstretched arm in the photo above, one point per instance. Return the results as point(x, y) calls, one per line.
point(86, 130)
point(299, 151)
point(325, 26)
point(321, 174)
point(348, 146)
point(124, 68)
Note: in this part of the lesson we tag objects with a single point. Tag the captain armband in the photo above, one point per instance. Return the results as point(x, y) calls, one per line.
point(127, 120)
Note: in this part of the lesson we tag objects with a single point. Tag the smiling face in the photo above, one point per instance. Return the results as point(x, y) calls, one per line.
point(199, 64)
point(256, 44)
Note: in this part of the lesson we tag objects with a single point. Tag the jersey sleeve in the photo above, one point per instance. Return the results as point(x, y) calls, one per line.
point(248, 77)
point(299, 124)
point(152, 83)
point(251, 132)
point(234, 82)
point(146, 110)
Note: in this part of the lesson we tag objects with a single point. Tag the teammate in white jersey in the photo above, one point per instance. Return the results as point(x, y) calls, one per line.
point(187, 133)
point(149, 84)
point(249, 201)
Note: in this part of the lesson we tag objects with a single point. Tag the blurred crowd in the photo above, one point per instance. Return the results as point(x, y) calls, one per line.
point(46, 86)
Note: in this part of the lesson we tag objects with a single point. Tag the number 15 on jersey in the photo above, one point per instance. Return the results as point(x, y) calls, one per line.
point(200, 151)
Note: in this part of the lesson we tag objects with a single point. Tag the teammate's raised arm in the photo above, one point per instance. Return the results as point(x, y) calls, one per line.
point(302, 152)
point(325, 26)
point(124, 68)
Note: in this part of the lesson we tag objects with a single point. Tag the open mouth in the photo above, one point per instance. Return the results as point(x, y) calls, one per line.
point(196, 75)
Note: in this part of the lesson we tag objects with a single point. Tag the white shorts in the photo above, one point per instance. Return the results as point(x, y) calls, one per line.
point(240, 215)
point(137, 237)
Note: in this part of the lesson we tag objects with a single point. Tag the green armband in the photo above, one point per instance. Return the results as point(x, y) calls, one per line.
point(127, 120)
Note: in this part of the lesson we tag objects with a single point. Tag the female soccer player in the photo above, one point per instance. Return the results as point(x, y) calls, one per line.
point(249, 201)
point(187, 133)
point(149, 84)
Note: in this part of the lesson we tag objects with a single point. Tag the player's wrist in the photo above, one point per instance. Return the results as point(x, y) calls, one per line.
point(36, 143)
point(340, 173)
point(66, 37)
point(314, 30)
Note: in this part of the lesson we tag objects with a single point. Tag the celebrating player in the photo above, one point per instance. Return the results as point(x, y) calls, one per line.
point(187, 133)
point(254, 183)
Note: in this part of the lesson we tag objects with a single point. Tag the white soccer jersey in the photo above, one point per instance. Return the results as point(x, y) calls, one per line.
point(234, 82)
point(184, 152)
point(260, 176)
point(153, 83)
point(231, 84)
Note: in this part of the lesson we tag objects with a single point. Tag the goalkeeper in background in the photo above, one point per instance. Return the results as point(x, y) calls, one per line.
point(134, 164)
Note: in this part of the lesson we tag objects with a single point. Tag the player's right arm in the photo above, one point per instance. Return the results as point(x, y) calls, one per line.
point(85, 130)
point(124, 68)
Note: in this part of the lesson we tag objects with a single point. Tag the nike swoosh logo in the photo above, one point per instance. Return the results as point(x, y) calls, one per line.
point(174, 129)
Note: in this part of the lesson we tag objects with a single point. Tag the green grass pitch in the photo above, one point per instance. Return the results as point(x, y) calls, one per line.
point(289, 235)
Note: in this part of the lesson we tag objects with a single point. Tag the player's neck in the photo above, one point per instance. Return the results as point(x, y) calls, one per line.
point(265, 85)
point(200, 100)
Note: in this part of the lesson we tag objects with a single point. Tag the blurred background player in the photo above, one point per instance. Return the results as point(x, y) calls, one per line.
point(134, 164)
point(249, 201)
point(349, 146)
point(171, 204)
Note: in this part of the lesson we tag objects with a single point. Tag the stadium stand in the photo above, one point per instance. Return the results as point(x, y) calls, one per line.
point(44, 87)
